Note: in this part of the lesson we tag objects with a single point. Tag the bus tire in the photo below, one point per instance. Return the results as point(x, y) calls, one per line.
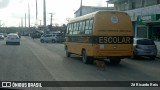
point(86, 59)
point(152, 57)
point(68, 54)
point(133, 56)
point(115, 61)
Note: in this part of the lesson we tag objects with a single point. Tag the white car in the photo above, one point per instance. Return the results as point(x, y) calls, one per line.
point(1, 36)
point(12, 38)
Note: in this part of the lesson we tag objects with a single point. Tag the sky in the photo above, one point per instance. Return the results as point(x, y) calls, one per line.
point(12, 11)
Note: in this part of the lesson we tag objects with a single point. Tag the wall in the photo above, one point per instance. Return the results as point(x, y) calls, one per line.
point(150, 2)
point(124, 5)
point(150, 10)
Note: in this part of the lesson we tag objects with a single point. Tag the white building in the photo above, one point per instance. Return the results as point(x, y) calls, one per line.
point(145, 15)
point(89, 9)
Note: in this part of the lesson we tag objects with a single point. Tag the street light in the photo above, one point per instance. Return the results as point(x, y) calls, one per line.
point(51, 17)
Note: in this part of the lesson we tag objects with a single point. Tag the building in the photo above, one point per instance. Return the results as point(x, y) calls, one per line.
point(145, 15)
point(89, 9)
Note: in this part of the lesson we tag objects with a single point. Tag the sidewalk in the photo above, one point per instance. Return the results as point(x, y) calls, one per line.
point(158, 47)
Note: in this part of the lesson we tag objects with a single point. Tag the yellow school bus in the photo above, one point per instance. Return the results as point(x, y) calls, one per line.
point(100, 35)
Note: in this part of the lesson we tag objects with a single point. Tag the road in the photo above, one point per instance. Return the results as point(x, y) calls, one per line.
point(35, 61)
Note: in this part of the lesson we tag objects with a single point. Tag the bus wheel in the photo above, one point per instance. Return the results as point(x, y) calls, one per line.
point(115, 61)
point(133, 56)
point(86, 59)
point(68, 54)
point(152, 57)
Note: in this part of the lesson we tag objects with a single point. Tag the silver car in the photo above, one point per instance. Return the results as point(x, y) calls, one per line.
point(144, 47)
point(49, 38)
point(12, 38)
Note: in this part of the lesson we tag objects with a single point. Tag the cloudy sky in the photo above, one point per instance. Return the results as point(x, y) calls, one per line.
point(11, 11)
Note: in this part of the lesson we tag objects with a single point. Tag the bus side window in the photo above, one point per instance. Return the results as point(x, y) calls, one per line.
point(68, 29)
point(89, 26)
point(80, 27)
point(77, 27)
point(71, 29)
point(83, 27)
point(74, 29)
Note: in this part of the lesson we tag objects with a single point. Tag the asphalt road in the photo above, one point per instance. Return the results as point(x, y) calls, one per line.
point(35, 61)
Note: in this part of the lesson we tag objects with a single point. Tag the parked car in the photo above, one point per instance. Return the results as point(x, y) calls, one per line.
point(1, 36)
point(49, 38)
point(36, 34)
point(12, 38)
point(144, 47)
point(5, 34)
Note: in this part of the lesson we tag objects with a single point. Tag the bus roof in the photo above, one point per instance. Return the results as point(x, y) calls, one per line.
point(90, 15)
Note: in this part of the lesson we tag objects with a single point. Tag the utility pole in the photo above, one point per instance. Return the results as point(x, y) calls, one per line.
point(25, 20)
point(107, 3)
point(36, 13)
point(51, 18)
point(44, 15)
point(81, 8)
point(21, 22)
point(40, 22)
point(28, 16)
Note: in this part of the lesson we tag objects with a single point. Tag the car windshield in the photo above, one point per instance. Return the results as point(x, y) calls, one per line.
point(58, 35)
point(12, 35)
point(48, 35)
point(145, 42)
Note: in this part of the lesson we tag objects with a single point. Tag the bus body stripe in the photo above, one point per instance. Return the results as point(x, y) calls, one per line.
point(101, 39)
